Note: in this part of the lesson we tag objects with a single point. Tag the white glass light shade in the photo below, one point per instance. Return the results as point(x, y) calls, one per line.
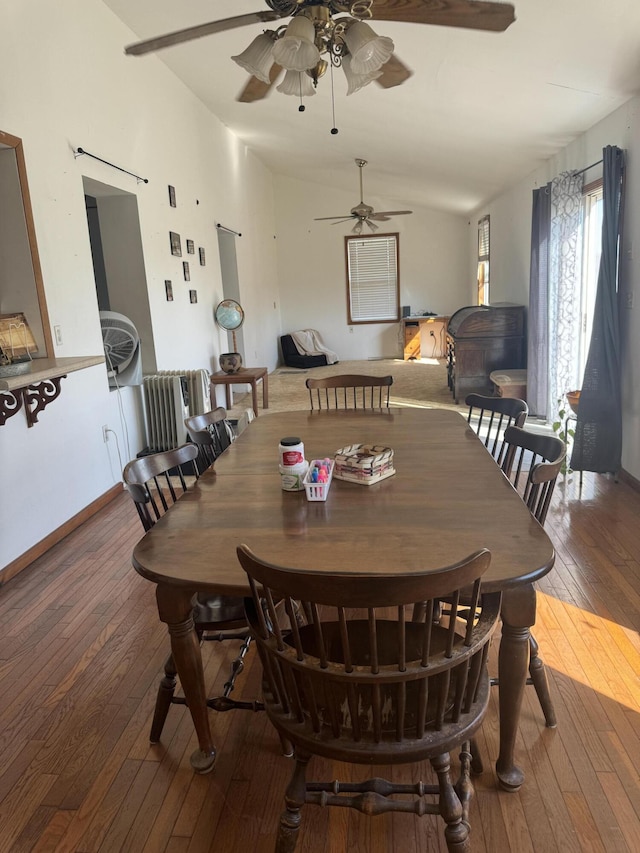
point(355, 82)
point(297, 83)
point(295, 50)
point(369, 52)
point(257, 59)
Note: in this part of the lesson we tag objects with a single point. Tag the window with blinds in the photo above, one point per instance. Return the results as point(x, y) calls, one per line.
point(483, 261)
point(373, 282)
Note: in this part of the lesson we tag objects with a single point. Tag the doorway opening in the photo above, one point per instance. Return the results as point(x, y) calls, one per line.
point(118, 262)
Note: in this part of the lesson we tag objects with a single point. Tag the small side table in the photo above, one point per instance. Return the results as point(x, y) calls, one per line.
point(245, 376)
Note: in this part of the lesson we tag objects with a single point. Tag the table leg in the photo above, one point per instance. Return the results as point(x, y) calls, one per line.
point(265, 392)
point(518, 615)
point(175, 607)
point(254, 396)
point(227, 391)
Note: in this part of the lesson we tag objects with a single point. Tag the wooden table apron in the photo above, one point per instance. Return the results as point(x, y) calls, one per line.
point(447, 499)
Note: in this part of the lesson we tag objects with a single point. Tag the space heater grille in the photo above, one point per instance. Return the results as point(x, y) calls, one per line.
point(170, 396)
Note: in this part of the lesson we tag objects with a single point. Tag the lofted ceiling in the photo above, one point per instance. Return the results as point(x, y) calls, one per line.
point(481, 111)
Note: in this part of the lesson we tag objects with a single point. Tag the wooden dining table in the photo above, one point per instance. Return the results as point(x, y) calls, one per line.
point(447, 499)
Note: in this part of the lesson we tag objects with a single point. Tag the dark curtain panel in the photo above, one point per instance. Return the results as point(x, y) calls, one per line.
point(598, 440)
point(538, 320)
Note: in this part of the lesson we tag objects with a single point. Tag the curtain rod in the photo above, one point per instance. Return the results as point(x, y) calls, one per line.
point(586, 168)
point(80, 151)
point(228, 230)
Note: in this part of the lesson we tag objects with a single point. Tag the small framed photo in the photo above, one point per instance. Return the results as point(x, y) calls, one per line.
point(168, 289)
point(202, 258)
point(172, 196)
point(193, 296)
point(185, 270)
point(176, 246)
point(191, 249)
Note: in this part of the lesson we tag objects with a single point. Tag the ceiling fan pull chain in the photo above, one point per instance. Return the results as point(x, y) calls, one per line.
point(302, 107)
point(334, 129)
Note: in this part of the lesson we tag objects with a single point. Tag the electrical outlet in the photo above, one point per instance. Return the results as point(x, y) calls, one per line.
point(57, 330)
point(105, 433)
point(629, 298)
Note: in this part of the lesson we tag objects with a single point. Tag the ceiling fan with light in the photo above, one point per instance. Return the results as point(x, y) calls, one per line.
point(338, 30)
point(364, 213)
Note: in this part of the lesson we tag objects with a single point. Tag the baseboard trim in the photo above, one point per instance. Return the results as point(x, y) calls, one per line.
point(41, 547)
point(629, 479)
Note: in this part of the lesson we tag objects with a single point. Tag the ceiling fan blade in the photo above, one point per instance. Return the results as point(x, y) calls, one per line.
point(394, 73)
point(379, 217)
point(343, 218)
point(190, 33)
point(348, 219)
point(471, 14)
point(256, 89)
point(387, 213)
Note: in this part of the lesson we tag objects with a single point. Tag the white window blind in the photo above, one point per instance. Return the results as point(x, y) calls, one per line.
point(372, 278)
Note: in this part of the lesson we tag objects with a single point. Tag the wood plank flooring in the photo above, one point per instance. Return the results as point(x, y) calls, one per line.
point(81, 650)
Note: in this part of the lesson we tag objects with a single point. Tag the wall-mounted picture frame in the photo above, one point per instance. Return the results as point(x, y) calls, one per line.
point(193, 296)
point(176, 245)
point(202, 258)
point(191, 250)
point(172, 196)
point(185, 270)
point(168, 289)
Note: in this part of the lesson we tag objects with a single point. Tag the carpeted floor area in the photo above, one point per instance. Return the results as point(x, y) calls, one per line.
point(415, 383)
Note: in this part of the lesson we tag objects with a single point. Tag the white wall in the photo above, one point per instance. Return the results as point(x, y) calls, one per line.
point(66, 84)
point(311, 256)
point(511, 242)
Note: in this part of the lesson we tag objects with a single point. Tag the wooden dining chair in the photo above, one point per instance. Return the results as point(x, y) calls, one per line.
point(155, 482)
point(490, 416)
point(349, 391)
point(363, 682)
point(210, 432)
point(532, 463)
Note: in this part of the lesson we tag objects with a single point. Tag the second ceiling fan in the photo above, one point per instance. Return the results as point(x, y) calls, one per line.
point(364, 213)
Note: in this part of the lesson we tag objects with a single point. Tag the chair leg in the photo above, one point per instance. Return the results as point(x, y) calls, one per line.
point(477, 766)
point(286, 745)
point(456, 832)
point(539, 680)
point(294, 800)
point(163, 701)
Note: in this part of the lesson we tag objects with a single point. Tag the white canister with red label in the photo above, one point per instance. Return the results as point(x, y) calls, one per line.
point(291, 451)
point(293, 466)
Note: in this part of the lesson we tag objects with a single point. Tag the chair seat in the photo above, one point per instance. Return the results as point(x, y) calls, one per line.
point(219, 612)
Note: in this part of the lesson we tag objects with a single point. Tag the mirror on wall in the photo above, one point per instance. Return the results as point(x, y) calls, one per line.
point(21, 285)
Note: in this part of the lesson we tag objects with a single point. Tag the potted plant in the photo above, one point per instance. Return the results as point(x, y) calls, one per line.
point(561, 425)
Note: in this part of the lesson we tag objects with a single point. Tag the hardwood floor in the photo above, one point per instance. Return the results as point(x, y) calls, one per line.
point(81, 651)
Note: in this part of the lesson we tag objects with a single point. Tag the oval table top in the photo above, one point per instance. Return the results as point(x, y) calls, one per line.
point(447, 499)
